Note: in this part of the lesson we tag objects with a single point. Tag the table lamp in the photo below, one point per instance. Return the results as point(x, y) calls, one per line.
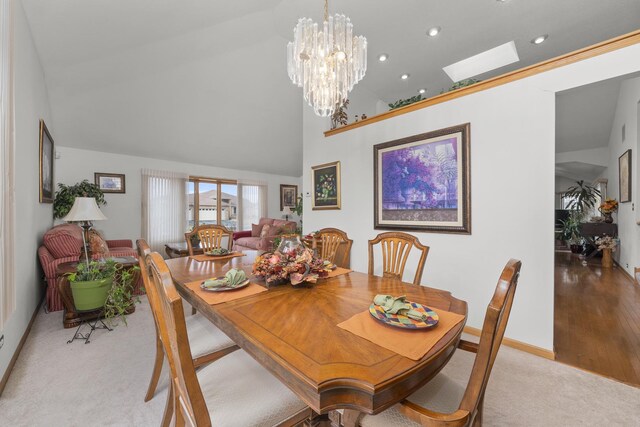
point(85, 210)
point(286, 211)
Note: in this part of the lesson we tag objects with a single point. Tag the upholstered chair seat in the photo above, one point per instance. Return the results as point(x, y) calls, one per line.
point(204, 336)
point(239, 392)
point(442, 394)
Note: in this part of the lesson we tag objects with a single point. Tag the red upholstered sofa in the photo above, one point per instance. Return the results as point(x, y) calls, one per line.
point(62, 244)
point(251, 240)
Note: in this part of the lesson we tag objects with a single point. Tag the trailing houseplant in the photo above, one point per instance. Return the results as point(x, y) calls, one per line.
point(404, 102)
point(107, 285)
point(66, 195)
point(120, 299)
point(91, 283)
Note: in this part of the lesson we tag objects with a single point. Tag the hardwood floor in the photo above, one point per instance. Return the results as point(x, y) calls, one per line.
point(597, 318)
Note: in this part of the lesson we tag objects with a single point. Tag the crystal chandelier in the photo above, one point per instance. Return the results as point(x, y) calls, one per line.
point(326, 62)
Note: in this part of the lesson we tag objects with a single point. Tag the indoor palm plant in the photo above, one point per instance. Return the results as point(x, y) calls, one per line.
point(582, 198)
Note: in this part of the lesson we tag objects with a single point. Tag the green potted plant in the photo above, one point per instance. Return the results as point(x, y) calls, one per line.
point(91, 283)
point(571, 233)
point(66, 195)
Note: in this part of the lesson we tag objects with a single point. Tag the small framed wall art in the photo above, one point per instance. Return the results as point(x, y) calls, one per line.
point(47, 152)
point(325, 181)
point(624, 176)
point(110, 182)
point(288, 196)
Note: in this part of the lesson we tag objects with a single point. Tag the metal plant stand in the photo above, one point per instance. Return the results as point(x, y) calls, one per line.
point(93, 325)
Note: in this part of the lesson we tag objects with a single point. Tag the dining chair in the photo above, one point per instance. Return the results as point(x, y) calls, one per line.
point(453, 405)
point(233, 391)
point(335, 246)
point(210, 237)
point(208, 343)
point(396, 247)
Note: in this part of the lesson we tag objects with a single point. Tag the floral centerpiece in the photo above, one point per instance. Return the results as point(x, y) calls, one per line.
point(607, 242)
point(297, 266)
point(609, 206)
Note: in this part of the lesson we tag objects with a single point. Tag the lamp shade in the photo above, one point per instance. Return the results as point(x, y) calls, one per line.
point(286, 210)
point(84, 209)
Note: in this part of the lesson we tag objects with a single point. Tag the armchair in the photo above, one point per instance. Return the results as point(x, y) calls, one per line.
point(62, 244)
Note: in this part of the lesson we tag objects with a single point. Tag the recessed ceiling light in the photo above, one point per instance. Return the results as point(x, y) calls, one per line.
point(422, 91)
point(404, 76)
point(540, 39)
point(383, 57)
point(434, 31)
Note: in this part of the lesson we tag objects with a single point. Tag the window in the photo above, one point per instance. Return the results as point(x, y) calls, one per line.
point(212, 201)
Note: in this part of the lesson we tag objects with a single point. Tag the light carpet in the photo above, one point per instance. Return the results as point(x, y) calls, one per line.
point(103, 383)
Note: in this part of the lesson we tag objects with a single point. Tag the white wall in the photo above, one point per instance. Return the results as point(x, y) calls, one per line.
point(512, 188)
point(124, 210)
point(33, 218)
point(627, 115)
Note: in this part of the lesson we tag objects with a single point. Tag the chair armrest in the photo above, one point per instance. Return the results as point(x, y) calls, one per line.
point(468, 346)
point(122, 243)
point(239, 234)
point(429, 418)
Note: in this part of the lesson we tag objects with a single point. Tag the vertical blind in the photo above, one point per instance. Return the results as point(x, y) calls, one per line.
point(252, 203)
point(164, 207)
point(7, 161)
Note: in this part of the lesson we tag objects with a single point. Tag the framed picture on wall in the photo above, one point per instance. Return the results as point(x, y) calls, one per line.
point(288, 196)
point(325, 181)
point(624, 176)
point(46, 164)
point(110, 182)
point(422, 182)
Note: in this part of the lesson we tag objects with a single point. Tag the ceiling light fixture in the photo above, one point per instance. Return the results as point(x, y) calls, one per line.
point(326, 61)
point(422, 91)
point(540, 39)
point(404, 76)
point(383, 57)
point(434, 31)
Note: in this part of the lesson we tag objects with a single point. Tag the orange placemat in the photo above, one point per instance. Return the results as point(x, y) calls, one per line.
point(339, 272)
point(413, 344)
point(220, 297)
point(201, 258)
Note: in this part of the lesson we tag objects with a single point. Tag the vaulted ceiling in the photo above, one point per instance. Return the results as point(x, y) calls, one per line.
point(204, 81)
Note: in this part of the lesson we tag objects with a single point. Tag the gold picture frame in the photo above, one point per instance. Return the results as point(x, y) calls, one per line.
point(325, 183)
point(46, 154)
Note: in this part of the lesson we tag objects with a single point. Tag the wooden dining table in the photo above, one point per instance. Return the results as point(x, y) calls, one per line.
point(293, 333)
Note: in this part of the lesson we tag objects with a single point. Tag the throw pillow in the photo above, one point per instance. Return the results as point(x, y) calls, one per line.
point(265, 230)
point(256, 230)
point(97, 244)
point(274, 231)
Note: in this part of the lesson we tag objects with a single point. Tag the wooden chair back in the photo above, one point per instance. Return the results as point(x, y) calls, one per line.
point(210, 237)
point(396, 247)
point(495, 323)
point(335, 246)
point(189, 404)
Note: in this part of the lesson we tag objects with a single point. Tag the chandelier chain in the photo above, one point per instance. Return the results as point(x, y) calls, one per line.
point(326, 10)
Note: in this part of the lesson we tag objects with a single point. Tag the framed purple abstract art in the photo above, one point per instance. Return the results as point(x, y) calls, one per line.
point(422, 183)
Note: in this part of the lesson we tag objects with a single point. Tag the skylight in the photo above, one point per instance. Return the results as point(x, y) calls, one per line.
point(481, 63)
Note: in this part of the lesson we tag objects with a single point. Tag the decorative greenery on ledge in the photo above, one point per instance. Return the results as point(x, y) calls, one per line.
point(461, 83)
point(404, 102)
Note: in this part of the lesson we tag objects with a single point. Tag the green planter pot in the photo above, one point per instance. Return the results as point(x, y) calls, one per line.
point(91, 295)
